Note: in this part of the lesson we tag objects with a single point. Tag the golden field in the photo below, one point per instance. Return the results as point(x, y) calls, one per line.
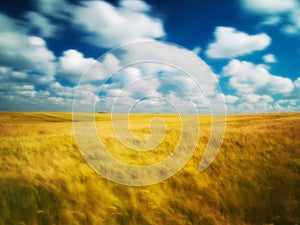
point(255, 178)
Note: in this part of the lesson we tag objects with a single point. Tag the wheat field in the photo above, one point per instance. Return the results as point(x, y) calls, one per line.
point(255, 178)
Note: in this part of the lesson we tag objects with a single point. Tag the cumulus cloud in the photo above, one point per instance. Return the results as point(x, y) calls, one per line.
point(24, 53)
point(128, 75)
point(136, 5)
point(276, 11)
point(183, 76)
point(254, 98)
point(271, 21)
point(269, 58)
point(54, 97)
point(232, 43)
point(294, 26)
point(55, 8)
point(252, 103)
point(287, 105)
point(197, 50)
point(177, 58)
point(40, 24)
point(27, 98)
point(231, 99)
point(18, 92)
point(20, 50)
point(258, 107)
point(25, 77)
point(269, 6)
point(153, 84)
point(72, 65)
point(296, 91)
point(111, 26)
point(246, 78)
point(143, 84)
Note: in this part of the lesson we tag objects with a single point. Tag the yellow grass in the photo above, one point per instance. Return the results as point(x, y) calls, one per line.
point(255, 178)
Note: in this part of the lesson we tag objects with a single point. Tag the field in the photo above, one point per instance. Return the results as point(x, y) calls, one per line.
point(255, 178)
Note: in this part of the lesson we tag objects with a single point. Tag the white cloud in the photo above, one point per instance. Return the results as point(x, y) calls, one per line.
point(40, 24)
point(87, 93)
point(141, 88)
point(287, 105)
point(19, 95)
point(54, 8)
point(294, 26)
point(271, 21)
point(197, 50)
point(130, 82)
point(179, 57)
point(110, 26)
point(246, 77)
point(29, 77)
point(191, 84)
point(289, 30)
point(73, 65)
point(19, 75)
point(296, 91)
point(136, 5)
point(55, 97)
point(292, 102)
point(37, 51)
point(260, 107)
point(232, 43)
point(254, 98)
point(285, 12)
point(269, 6)
point(231, 99)
point(128, 75)
point(252, 103)
point(24, 53)
point(20, 50)
point(269, 58)
point(255, 103)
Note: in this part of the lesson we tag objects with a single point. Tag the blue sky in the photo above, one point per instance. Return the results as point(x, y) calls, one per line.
point(251, 48)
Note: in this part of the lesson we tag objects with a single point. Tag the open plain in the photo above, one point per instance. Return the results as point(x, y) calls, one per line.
point(254, 179)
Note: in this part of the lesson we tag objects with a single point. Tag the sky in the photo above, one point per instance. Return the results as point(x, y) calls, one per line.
point(54, 50)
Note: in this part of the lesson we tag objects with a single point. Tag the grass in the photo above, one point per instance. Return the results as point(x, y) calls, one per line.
point(255, 178)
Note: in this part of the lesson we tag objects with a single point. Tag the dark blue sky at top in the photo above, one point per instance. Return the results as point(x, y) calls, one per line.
point(187, 23)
